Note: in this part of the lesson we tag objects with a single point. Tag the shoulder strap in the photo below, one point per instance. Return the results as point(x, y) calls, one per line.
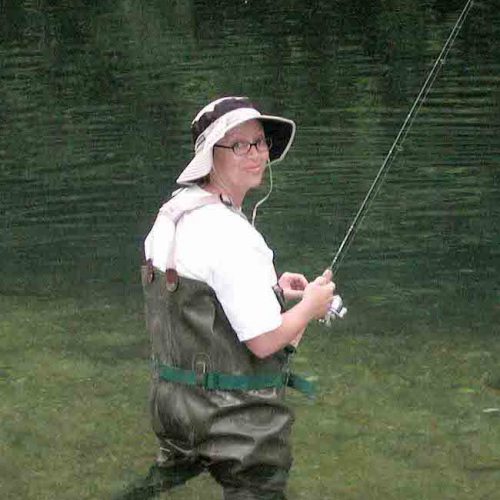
point(162, 235)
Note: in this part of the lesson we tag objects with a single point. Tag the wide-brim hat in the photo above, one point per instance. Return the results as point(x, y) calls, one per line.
point(213, 122)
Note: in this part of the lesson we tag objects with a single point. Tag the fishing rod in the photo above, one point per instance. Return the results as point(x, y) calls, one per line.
point(337, 309)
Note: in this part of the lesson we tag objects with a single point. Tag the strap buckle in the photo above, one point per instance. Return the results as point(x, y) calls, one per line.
point(200, 364)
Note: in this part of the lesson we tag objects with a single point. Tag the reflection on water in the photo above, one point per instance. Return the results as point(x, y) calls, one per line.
point(96, 100)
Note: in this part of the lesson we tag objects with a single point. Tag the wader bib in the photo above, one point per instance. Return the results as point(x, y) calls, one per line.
point(239, 434)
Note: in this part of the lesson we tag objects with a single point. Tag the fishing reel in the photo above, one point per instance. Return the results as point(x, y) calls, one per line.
point(337, 310)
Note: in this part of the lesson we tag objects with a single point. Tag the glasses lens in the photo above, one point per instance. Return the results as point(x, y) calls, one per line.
point(241, 148)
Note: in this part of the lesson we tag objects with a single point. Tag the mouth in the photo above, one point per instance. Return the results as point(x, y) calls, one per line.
point(255, 169)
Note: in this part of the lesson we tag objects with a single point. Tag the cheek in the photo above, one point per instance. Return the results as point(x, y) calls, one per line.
point(217, 156)
point(221, 161)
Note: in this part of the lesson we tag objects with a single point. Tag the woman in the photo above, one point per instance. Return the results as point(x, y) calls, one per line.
point(220, 337)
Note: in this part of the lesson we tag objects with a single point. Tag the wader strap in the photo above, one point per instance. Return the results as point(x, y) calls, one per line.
point(300, 384)
point(228, 382)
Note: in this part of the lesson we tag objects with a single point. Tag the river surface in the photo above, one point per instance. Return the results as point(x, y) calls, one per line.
point(96, 99)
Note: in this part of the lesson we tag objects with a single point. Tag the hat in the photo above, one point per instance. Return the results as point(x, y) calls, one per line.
point(214, 120)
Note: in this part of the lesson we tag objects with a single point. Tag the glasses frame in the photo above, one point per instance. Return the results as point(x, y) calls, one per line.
point(263, 140)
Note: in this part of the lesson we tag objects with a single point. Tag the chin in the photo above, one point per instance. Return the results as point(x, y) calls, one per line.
point(257, 181)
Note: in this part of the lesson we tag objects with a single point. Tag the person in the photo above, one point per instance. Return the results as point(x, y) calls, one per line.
point(221, 336)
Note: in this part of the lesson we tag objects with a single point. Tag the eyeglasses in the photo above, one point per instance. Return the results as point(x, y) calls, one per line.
point(242, 148)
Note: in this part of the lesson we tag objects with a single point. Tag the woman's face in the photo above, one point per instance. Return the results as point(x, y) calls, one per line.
point(236, 173)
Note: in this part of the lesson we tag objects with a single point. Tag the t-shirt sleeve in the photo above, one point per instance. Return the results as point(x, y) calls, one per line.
point(242, 276)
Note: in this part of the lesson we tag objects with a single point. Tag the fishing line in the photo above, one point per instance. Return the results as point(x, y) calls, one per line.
point(397, 144)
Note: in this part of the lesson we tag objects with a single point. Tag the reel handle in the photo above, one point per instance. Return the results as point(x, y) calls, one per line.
point(337, 310)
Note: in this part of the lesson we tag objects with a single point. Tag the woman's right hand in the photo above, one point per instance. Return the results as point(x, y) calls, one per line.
point(318, 295)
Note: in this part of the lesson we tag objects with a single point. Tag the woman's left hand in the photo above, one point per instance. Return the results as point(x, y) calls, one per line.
point(293, 285)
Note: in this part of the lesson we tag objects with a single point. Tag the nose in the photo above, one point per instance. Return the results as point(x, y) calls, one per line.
point(254, 152)
point(253, 146)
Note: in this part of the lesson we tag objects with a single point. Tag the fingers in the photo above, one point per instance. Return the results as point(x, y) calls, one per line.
point(325, 279)
point(319, 295)
point(328, 287)
point(320, 280)
point(327, 275)
point(299, 282)
point(293, 280)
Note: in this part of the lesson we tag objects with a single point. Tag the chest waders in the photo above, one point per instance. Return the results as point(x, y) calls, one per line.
point(215, 406)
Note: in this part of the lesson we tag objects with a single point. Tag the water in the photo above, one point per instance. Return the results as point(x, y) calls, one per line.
point(96, 100)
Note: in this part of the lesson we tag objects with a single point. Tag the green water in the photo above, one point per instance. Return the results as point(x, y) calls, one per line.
point(96, 100)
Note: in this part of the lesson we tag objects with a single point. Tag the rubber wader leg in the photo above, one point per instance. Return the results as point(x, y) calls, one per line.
point(256, 483)
point(233, 493)
point(159, 479)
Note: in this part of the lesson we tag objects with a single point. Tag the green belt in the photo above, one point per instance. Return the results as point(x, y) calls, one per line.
point(228, 382)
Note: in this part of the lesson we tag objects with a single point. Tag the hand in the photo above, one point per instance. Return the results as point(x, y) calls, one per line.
point(318, 295)
point(293, 285)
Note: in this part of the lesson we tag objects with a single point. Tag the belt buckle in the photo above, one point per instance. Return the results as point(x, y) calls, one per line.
point(200, 363)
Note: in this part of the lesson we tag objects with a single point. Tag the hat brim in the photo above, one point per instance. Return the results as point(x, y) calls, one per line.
point(199, 167)
point(281, 131)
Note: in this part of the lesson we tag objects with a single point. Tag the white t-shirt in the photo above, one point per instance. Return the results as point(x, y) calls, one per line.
point(218, 246)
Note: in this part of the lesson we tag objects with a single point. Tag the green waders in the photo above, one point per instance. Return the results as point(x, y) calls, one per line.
point(215, 406)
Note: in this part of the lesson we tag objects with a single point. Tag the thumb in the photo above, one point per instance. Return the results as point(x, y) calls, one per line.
point(327, 274)
point(320, 280)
